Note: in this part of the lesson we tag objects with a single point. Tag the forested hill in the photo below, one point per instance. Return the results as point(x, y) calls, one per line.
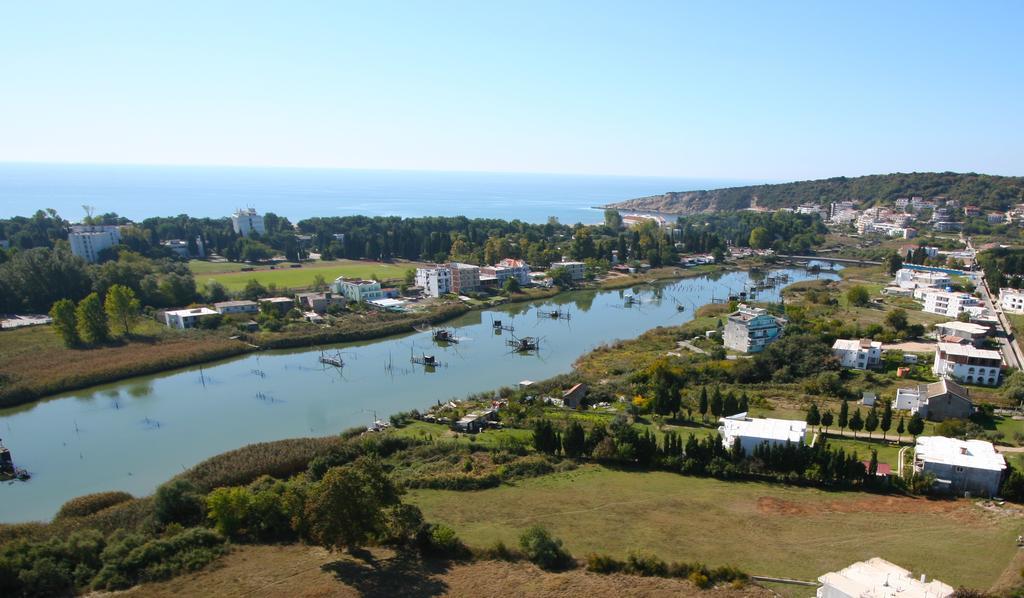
point(986, 191)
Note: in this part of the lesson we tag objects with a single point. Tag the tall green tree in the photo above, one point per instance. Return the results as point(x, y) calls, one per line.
point(347, 506)
point(871, 422)
point(702, 407)
point(886, 423)
point(858, 296)
point(844, 415)
point(92, 320)
point(826, 420)
point(813, 415)
point(900, 429)
point(574, 441)
point(856, 422)
point(915, 426)
point(893, 262)
point(65, 322)
point(717, 404)
point(122, 306)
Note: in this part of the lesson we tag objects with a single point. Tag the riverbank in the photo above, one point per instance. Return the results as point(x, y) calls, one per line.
point(35, 364)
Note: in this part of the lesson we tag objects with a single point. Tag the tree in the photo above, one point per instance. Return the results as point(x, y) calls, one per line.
point(886, 422)
point(900, 429)
point(228, 508)
point(826, 420)
point(612, 219)
point(254, 290)
point(347, 506)
point(730, 406)
point(542, 549)
point(744, 405)
point(511, 285)
point(873, 465)
point(92, 320)
point(574, 441)
point(813, 415)
point(65, 322)
point(759, 238)
point(703, 406)
point(717, 404)
point(178, 501)
point(871, 422)
point(858, 296)
point(122, 306)
point(856, 422)
point(897, 320)
point(544, 438)
point(844, 415)
point(560, 277)
point(915, 426)
point(893, 262)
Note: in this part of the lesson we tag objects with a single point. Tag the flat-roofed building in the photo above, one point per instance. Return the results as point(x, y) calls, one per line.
point(1012, 300)
point(967, 364)
point(959, 466)
point(87, 241)
point(187, 318)
point(435, 280)
point(236, 307)
point(950, 304)
point(937, 401)
point(858, 354)
point(752, 432)
point(878, 578)
point(465, 277)
point(247, 221)
point(576, 270)
point(751, 329)
point(973, 333)
point(357, 289)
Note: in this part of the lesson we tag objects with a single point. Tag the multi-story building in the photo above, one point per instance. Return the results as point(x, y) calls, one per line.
point(1012, 300)
point(755, 431)
point(435, 281)
point(236, 307)
point(937, 401)
point(751, 329)
point(963, 331)
point(967, 363)
point(878, 578)
point(960, 466)
point(247, 221)
point(945, 226)
point(177, 246)
point(858, 354)
point(576, 270)
point(950, 304)
point(908, 278)
point(87, 241)
point(519, 269)
point(187, 318)
point(465, 277)
point(357, 289)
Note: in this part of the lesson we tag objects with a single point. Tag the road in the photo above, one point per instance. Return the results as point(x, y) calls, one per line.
point(1007, 340)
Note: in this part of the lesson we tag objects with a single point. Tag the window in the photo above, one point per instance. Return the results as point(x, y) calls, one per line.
point(959, 469)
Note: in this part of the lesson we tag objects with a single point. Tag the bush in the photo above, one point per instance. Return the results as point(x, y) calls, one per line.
point(91, 503)
point(544, 550)
point(440, 540)
point(498, 552)
point(526, 467)
point(602, 563)
point(178, 501)
point(647, 565)
point(132, 559)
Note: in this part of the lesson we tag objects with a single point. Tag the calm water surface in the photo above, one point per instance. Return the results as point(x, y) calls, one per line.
point(135, 434)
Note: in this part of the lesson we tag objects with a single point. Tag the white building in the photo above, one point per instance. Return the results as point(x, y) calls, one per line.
point(857, 354)
point(751, 329)
point(752, 432)
point(909, 278)
point(878, 578)
point(88, 241)
point(517, 268)
point(967, 364)
point(960, 466)
point(966, 331)
point(435, 281)
point(465, 277)
point(950, 304)
point(1012, 300)
point(236, 307)
point(186, 318)
point(576, 270)
point(247, 221)
point(357, 289)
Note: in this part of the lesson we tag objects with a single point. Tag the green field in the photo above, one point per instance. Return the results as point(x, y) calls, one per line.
point(765, 529)
point(284, 277)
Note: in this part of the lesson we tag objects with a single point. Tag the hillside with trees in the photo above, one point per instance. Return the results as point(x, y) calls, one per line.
point(987, 191)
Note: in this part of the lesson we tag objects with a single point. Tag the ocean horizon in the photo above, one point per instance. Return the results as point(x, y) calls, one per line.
point(141, 191)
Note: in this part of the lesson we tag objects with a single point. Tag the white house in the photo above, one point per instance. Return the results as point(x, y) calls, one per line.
point(908, 278)
point(88, 241)
point(236, 307)
point(186, 318)
point(937, 401)
point(959, 466)
point(878, 578)
point(752, 432)
point(179, 247)
point(967, 363)
point(1012, 300)
point(357, 289)
point(968, 331)
point(247, 221)
point(576, 270)
point(857, 354)
point(751, 329)
point(508, 268)
point(435, 281)
point(950, 304)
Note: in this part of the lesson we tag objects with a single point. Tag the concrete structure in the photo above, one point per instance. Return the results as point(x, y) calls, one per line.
point(576, 270)
point(318, 303)
point(960, 466)
point(505, 269)
point(474, 422)
point(187, 318)
point(878, 578)
point(283, 305)
point(937, 401)
point(236, 307)
point(247, 221)
point(435, 281)
point(357, 289)
point(88, 241)
point(945, 226)
point(858, 354)
point(950, 304)
point(177, 246)
point(967, 363)
point(574, 396)
point(751, 329)
point(465, 277)
point(911, 279)
point(975, 334)
point(752, 432)
point(1011, 300)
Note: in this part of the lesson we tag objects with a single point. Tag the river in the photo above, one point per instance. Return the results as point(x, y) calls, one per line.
point(134, 434)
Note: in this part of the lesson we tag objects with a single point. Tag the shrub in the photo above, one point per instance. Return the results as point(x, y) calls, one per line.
point(178, 501)
point(132, 559)
point(91, 503)
point(602, 563)
point(646, 564)
point(544, 550)
point(526, 467)
point(699, 579)
point(498, 552)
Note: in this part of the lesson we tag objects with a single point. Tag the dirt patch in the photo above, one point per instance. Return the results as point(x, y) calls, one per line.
point(869, 504)
point(306, 571)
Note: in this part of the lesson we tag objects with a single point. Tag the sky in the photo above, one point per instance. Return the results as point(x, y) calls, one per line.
point(742, 90)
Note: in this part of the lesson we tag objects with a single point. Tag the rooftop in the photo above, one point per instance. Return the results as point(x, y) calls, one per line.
point(240, 303)
point(966, 327)
point(767, 428)
point(277, 300)
point(976, 454)
point(969, 351)
point(856, 344)
point(878, 578)
point(194, 311)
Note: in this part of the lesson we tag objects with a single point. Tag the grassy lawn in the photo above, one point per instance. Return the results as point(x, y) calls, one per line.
point(152, 348)
point(285, 277)
point(763, 529)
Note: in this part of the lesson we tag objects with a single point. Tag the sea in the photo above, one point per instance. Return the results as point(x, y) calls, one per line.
point(138, 192)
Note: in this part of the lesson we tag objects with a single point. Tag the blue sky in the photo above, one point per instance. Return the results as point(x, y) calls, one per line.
point(742, 90)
